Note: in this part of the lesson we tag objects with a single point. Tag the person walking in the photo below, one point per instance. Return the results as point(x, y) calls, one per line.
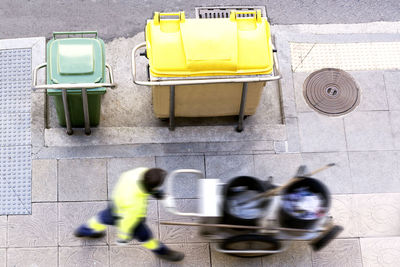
point(127, 210)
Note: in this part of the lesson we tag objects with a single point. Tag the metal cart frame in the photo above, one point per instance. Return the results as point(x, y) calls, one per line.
point(211, 210)
point(65, 86)
point(172, 82)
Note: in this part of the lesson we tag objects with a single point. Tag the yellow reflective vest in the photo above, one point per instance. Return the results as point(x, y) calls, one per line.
point(130, 201)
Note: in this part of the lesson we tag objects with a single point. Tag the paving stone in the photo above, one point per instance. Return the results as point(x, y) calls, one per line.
point(21, 257)
point(185, 185)
point(280, 166)
point(375, 172)
point(392, 89)
point(71, 216)
point(340, 252)
point(337, 178)
point(395, 123)
point(151, 221)
point(293, 136)
point(223, 260)
point(3, 231)
point(298, 254)
point(82, 179)
point(177, 234)
point(298, 80)
point(84, 256)
point(344, 213)
point(196, 255)
point(320, 133)
point(132, 256)
point(380, 251)
point(116, 166)
point(378, 214)
point(38, 229)
point(227, 167)
point(44, 180)
point(373, 92)
point(3, 258)
point(368, 131)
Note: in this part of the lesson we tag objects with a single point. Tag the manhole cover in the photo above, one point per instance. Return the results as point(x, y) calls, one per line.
point(332, 92)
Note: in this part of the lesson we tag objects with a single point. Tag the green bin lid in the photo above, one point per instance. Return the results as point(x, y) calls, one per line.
point(75, 60)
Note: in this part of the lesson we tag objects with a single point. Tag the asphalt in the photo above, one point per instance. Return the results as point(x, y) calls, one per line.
point(125, 18)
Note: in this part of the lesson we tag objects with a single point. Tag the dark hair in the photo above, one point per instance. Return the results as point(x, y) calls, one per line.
point(153, 177)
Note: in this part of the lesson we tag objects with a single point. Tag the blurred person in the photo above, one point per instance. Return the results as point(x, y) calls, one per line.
point(127, 210)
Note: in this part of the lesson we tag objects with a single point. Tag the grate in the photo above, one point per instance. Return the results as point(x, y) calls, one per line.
point(331, 92)
point(223, 12)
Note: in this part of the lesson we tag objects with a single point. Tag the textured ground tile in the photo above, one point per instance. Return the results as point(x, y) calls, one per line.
point(132, 256)
point(280, 166)
point(227, 167)
point(84, 256)
point(21, 257)
point(3, 258)
point(320, 133)
point(368, 130)
point(298, 254)
point(196, 255)
point(3, 231)
point(392, 89)
point(71, 215)
point(395, 123)
point(373, 91)
point(375, 172)
point(337, 178)
point(116, 166)
point(38, 229)
point(344, 213)
point(82, 179)
point(44, 180)
point(185, 185)
point(340, 252)
point(380, 251)
point(378, 214)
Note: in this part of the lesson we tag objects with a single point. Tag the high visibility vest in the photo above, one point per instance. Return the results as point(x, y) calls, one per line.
point(130, 200)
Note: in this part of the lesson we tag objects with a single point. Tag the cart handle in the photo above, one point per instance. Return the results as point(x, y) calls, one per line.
point(74, 33)
point(276, 75)
point(169, 201)
point(71, 85)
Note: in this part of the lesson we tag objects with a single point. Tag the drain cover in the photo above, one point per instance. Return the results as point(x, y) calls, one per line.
point(332, 92)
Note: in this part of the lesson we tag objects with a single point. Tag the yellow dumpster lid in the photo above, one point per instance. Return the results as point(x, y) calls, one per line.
point(179, 47)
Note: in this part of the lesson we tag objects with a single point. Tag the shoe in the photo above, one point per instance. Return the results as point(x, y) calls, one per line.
point(84, 231)
point(171, 255)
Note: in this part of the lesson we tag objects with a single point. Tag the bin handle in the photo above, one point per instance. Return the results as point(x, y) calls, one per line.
point(264, 78)
point(169, 201)
point(65, 86)
point(158, 15)
point(74, 33)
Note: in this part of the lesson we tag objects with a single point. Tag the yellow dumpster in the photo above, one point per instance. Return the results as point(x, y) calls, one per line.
point(207, 67)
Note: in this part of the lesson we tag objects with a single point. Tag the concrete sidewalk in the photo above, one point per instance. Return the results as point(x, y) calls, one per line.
point(72, 176)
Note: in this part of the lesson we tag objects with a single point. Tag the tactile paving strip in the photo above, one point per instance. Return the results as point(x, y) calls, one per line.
point(307, 57)
point(15, 131)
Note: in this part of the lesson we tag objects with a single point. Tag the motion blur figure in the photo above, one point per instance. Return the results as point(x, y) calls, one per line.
point(127, 210)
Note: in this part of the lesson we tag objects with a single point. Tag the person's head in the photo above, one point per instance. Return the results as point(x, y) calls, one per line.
point(153, 178)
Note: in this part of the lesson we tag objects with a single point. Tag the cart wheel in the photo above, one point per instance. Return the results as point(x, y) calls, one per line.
point(250, 242)
point(326, 237)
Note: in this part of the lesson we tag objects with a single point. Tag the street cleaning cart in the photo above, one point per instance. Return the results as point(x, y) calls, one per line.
point(76, 78)
point(207, 67)
point(250, 217)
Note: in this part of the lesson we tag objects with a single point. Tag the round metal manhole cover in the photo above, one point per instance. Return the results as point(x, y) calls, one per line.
point(332, 92)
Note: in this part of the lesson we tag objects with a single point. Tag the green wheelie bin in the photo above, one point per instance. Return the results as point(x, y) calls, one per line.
point(76, 78)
